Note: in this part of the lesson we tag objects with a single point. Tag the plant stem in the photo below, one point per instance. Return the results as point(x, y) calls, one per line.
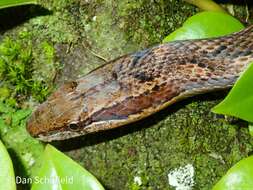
point(207, 5)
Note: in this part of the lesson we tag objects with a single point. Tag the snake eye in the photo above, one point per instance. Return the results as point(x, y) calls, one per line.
point(73, 127)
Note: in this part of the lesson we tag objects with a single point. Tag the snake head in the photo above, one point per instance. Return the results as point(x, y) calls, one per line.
point(73, 109)
point(58, 117)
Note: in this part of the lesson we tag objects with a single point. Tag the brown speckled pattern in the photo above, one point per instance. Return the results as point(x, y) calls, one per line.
point(135, 86)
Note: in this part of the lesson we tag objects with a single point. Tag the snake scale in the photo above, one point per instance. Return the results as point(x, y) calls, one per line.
point(137, 85)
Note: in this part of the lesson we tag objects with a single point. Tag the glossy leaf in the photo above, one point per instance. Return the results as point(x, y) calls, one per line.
point(12, 3)
point(60, 172)
point(7, 177)
point(251, 129)
point(239, 101)
point(239, 177)
point(206, 25)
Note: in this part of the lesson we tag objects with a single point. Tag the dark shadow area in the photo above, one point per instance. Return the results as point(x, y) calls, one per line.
point(96, 138)
point(250, 153)
point(236, 2)
point(19, 170)
point(13, 16)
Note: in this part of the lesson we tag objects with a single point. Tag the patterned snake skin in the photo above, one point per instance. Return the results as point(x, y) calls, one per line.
point(137, 85)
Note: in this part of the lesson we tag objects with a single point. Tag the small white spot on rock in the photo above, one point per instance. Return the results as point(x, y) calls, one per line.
point(137, 180)
point(94, 18)
point(182, 178)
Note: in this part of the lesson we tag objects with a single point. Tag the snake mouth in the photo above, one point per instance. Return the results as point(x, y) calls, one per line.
point(58, 136)
point(70, 133)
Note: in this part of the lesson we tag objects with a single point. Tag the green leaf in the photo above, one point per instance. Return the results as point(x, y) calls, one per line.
point(12, 3)
point(239, 177)
point(206, 25)
point(7, 177)
point(251, 129)
point(239, 101)
point(57, 166)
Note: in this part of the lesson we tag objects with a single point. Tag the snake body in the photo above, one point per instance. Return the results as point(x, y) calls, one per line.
point(137, 85)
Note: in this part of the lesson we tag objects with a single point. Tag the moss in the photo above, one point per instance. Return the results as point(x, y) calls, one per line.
point(53, 28)
point(16, 71)
point(146, 22)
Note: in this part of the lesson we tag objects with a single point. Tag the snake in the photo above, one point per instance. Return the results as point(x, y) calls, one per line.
point(137, 85)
